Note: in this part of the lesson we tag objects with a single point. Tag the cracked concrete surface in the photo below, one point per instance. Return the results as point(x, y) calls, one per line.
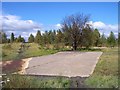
point(70, 64)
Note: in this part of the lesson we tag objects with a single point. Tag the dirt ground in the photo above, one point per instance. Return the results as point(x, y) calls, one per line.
point(16, 66)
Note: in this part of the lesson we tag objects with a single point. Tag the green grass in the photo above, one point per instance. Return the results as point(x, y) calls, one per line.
point(17, 81)
point(35, 50)
point(106, 72)
point(98, 81)
point(10, 51)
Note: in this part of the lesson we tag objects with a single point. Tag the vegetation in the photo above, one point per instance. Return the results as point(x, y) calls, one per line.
point(12, 38)
point(18, 81)
point(10, 51)
point(20, 39)
point(38, 37)
point(31, 39)
point(106, 71)
point(119, 38)
point(38, 50)
point(87, 39)
point(96, 37)
point(4, 37)
point(103, 40)
point(73, 26)
point(15, 51)
point(111, 39)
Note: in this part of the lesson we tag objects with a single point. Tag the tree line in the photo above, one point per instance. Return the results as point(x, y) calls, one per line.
point(5, 39)
point(55, 37)
point(75, 32)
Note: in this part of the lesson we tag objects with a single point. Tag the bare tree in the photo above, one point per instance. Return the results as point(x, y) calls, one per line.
point(73, 26)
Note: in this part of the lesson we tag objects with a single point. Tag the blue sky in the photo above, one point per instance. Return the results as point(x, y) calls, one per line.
point(48, 15)
point(51, 13)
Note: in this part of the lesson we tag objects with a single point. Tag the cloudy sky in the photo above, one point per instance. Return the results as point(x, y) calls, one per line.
point(24, 18)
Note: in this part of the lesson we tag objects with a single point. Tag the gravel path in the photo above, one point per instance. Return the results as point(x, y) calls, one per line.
point(70, 64)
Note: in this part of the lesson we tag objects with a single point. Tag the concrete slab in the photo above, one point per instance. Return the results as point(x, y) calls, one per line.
point(70, 64)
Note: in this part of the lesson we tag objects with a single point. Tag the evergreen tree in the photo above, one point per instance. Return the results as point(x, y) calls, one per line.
point(12, 38)
point(96, 37)
point(31, 38)
point(0, 37)
point(53, 37)
point(8, 40)
point(103, 40)
point(20, 39)
point(66, 38)
point(38, 37)
point(87, 37)
point(111, 39)
point(59, 37)
point(4, 37)
point(119, 39)
point(45, 37)
point(49, 37)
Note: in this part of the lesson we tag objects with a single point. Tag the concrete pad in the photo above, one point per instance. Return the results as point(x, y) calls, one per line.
point(70, 64)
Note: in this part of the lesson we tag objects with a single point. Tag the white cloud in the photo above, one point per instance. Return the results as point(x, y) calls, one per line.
point(105, 28)
point(58, 26)
point(51, 27)
point(12, 23)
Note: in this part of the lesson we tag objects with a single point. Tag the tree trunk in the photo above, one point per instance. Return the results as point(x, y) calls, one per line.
point(74, 46)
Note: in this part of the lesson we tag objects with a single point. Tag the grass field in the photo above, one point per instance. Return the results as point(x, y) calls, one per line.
point(10, 51)
point(105, 74)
